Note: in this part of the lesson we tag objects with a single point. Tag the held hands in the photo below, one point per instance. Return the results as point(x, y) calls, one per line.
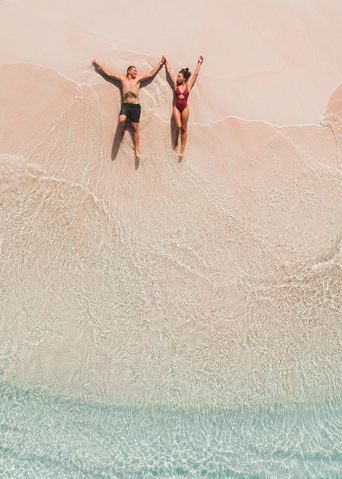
point(95, 64)
point(164, 60)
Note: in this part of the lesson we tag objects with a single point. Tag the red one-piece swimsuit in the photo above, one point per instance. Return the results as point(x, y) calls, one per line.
point(181, 98)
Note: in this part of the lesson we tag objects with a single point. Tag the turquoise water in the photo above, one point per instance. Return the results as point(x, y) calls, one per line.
point(46, 436)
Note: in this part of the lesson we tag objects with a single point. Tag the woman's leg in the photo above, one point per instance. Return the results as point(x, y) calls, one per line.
point(178, 121)
point(184, 129)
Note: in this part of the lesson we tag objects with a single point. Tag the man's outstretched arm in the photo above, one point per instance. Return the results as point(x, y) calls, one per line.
point(106, 71)
point(153, 72)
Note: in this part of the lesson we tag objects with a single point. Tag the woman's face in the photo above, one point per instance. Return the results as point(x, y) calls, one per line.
point(180, 78)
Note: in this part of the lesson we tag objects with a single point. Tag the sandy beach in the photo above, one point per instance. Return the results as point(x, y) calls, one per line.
point(214, 280)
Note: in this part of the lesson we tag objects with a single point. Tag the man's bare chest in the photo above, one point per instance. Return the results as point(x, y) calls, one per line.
point(130, 85)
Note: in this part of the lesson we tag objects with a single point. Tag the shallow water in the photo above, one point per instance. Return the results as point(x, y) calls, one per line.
point(45, 435)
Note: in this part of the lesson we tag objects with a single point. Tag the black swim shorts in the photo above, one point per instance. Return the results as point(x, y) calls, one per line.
point(132, 111)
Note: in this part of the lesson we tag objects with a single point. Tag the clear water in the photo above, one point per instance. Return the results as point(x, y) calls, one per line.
point(47, 436)
point(198, 312)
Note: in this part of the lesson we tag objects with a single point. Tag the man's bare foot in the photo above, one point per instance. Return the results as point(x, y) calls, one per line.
point(137, 154)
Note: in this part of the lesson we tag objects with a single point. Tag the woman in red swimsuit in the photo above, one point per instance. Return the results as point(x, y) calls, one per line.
point(183, 83)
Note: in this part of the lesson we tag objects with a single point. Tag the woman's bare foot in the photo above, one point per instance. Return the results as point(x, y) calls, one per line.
point(180, 155)
point(175, 145)
point(181, 151)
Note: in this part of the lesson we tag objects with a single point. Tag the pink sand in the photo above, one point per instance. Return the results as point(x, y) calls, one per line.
point(215, 280)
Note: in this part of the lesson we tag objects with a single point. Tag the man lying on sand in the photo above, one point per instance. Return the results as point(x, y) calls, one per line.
point(130, 107)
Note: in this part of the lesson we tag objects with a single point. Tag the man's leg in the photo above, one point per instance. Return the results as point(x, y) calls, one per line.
point(122, 121)
point(135, 127)
point(184, 129)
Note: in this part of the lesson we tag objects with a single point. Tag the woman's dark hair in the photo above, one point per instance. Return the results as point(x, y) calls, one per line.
point(186, 73)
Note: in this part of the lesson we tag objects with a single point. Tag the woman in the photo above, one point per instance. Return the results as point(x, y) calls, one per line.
point(182, 87)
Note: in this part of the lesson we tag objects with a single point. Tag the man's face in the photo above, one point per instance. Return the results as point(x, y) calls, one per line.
point(133, 72)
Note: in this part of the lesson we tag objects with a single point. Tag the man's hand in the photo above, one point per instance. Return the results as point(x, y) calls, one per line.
point(94, 62)
point(200, 60)
point(163, 60)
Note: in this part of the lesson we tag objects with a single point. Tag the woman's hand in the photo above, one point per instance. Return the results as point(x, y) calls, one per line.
point(200, 60)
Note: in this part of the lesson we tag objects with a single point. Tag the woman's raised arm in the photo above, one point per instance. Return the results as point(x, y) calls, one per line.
point(194, 76)
point(170, 72)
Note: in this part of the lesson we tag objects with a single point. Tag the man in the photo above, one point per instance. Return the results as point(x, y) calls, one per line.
point(130, 85)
